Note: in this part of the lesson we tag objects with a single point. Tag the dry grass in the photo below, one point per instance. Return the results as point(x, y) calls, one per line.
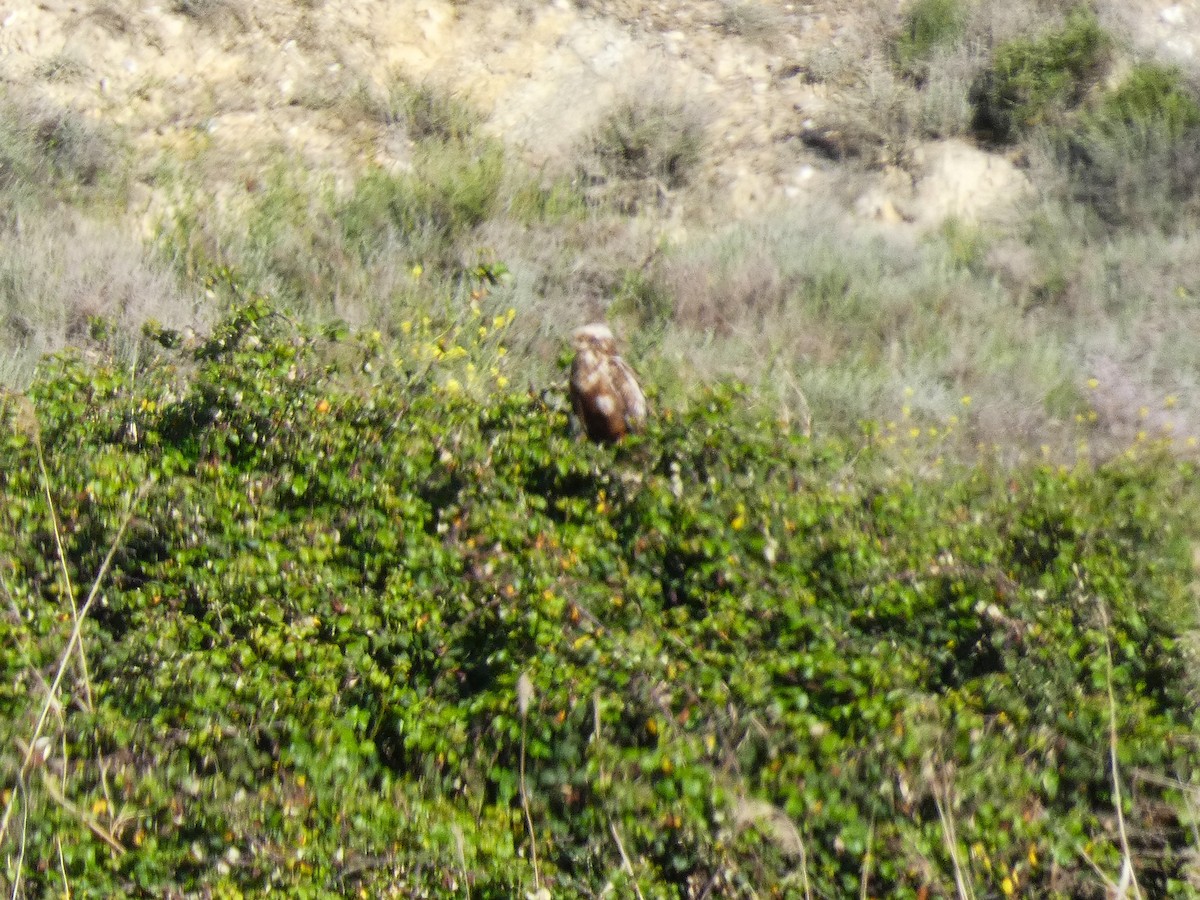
point(645, 150)
point(64, 273)
point(222, 16)
point(71, 257)
point(755, 21)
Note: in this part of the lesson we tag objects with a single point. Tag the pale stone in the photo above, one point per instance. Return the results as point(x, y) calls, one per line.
point(1172, 15)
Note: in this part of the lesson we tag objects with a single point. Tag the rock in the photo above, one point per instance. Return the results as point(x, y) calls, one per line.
point(954, 179)
point(1172, 15)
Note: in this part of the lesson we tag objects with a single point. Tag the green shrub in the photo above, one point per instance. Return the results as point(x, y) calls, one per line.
point(1151, 96)
point(452, 190)
point(1135, 158)
point(929, 25)
point(340, 574)
point(1034, 80)
point(561, 200)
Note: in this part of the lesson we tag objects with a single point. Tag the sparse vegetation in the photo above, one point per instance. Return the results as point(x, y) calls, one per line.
point(392, 246)
point(752, 20)
point(62, 184)
point(219, 15)
point(430, 115)
point(644, 148)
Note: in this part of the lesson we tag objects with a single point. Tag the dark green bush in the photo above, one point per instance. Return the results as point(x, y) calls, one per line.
point(929, 25)
point(756, 661)
point(1034, 80)
point(1135, 158)
point(1151, 96)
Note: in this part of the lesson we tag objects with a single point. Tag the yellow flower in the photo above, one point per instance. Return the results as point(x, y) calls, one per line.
point(406, 327)
point(965, 400)
point(1170, 400)
point(914, 432)
point(453, 386)
point(418, 270)
point(498, 322)
point(1143, 412)
point(1093, 383)
point(1008, 887)
point(501, 382)
point(905, 411)
point(908, 392)
point(482, 332)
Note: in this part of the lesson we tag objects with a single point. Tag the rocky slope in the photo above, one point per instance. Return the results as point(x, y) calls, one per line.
point(243, 81)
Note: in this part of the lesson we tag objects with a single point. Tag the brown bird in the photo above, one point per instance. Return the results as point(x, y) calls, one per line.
point(604, 390)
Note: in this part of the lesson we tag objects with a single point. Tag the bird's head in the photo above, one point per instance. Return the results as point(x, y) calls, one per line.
point(596, 337)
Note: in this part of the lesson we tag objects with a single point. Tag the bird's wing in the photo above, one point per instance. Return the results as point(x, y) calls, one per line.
point(626, 385)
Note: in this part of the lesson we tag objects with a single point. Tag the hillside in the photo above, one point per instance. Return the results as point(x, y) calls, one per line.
point(803, 196)
point(310, 587)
